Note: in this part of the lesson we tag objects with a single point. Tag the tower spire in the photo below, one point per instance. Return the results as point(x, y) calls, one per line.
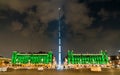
point(59, 38)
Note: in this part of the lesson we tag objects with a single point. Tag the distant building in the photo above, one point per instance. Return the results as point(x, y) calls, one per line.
point(4, 61)
point(115, 60)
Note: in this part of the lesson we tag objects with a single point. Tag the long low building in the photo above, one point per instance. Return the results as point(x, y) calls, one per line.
point(99, 59)
point(22, 58)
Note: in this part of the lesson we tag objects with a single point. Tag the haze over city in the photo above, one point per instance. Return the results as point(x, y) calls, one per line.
point(88, 26)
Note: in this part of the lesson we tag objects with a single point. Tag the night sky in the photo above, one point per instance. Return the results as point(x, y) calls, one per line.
point(88, 26)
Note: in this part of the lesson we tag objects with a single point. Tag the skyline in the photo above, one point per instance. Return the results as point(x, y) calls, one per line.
point(87, 26)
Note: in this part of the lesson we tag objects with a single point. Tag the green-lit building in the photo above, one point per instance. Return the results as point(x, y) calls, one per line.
point(101, 58)
point(22, 58)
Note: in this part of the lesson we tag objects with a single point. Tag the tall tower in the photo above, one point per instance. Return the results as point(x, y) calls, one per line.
point(59, 66)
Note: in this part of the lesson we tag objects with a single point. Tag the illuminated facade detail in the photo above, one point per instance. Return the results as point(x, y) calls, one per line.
point(100, 59)
point(19, 58)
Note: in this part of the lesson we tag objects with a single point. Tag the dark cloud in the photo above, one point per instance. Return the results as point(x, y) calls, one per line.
point(77, 16)
point(102, 31)
point(46, 11)
point(100, 0)
point(16, 26)
point(87, 25)
point(105, 15)
point(91, 1)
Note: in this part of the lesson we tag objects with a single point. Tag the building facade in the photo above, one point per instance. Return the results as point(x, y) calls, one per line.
point(98, 59)
point(20, 58)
